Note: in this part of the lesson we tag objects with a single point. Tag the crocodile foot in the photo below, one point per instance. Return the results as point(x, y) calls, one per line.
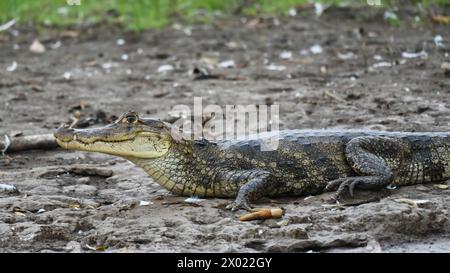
point(343, 186)
point(237, 205)
point(348, 184)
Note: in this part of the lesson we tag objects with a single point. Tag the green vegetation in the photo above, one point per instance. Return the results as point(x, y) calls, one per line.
point(143, 14)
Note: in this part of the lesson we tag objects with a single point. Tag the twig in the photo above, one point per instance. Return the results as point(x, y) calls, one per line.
point(45, 142)
point(335, 97)
point(7, 25)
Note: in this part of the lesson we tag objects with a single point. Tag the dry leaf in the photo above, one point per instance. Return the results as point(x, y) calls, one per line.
point(17, 209)
point(412, 202)
point(210, 61)
point(75, 205)
point(441, 19)
point(69, 33)
point(101, 248)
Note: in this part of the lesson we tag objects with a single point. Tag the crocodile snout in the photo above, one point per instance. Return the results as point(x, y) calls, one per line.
point(65, 133)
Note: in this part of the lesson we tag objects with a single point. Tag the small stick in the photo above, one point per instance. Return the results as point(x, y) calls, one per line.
point(24, 143)
point(333, 96)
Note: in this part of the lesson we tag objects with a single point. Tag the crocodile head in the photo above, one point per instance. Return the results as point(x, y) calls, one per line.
point(129, 136)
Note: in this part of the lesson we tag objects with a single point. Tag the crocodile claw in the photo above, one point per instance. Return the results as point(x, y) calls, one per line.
point(342, 186)
point(239, 205)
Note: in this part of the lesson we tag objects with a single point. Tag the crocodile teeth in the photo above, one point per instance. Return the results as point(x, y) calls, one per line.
point(74, 137)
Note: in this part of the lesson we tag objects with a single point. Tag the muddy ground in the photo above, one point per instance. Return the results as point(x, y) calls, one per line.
point(358, 78)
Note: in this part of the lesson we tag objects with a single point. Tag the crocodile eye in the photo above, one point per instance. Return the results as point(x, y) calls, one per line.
point(131, 119)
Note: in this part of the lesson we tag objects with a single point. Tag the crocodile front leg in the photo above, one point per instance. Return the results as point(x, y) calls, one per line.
point(373, 158)
point(255, 185)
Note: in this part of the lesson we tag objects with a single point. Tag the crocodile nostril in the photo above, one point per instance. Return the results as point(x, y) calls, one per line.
point(64, 132)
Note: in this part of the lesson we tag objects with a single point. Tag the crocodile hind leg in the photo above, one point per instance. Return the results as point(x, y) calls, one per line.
point(372, 158)
point(257, 186)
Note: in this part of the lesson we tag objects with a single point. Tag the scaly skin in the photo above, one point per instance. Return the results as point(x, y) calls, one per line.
point(306, 162)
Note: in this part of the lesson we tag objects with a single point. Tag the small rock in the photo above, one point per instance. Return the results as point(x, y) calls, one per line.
point(83, 180)
point(304, 245)
point(446, 67)
point(73, 247)
point(37, 47)
point(296, 232)
point(80, 189)
point(422, 188)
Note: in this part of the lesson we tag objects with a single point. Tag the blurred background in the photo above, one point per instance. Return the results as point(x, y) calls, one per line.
point(144, 14)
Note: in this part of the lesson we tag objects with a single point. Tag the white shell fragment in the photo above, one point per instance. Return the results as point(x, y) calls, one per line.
point(56, 45)
point(67, 75)
point(120, 42)
point(292, 12)
point(438, 41)
point(275, 67)
point(165, 68)
point(381, 64)
point(12, 67)
point(286, 55)
point(346, 56)
point(8, 188)
point(227, 64)
point(378, 57)
point(316, 49)
point(408, 55)
point(144, 203)
point(193, 199)
point(7, 142)
point(109, 65)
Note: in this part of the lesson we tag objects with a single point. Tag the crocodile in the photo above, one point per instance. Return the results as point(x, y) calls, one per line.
point(306, 162)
